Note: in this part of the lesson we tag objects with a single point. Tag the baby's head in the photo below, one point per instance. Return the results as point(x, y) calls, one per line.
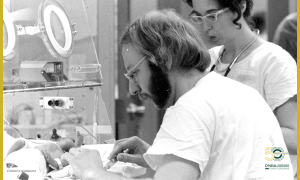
point(66, 144)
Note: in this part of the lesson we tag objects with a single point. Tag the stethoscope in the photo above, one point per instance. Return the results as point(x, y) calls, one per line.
point(235, 59)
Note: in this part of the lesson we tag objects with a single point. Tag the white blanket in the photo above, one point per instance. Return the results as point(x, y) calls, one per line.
point(32, 162)
point(128, 170)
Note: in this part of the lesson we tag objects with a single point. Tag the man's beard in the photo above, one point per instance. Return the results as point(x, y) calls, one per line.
point(159, 86)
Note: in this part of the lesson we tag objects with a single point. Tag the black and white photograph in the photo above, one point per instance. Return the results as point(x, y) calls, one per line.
point(149, 90)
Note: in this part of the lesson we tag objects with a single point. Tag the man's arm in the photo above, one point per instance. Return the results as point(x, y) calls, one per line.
point(287, 117)
point(175, 168)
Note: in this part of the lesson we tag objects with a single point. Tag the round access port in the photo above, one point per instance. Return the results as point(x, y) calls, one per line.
point(51, 103)
point(59, 38)
point(58, 103)
point(9, 36)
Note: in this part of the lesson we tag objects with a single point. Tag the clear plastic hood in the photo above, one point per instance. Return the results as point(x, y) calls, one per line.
point(52, 31)
point(51, 73)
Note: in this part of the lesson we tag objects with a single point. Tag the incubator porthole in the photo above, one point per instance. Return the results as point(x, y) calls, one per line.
point(9, 36)
point(58, 31)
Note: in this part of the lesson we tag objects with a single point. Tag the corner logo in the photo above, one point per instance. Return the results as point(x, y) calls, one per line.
point(10, 165)
point(14, 169)
point(274, 153)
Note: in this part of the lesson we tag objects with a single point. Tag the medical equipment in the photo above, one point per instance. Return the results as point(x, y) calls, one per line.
point(236, 58)
point(41, 71)
point(51, 74)
point(110, 163)
point(9, 36)
point(48, 61)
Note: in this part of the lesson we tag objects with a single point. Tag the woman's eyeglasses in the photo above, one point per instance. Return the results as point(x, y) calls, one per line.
point(213, 17)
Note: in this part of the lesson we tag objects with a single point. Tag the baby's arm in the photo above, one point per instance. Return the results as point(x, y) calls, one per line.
point(19, 144)
point(54, 164)
point(65, 144)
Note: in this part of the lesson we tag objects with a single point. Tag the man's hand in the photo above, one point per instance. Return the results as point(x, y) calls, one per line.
point(130, 150)
point(86, 163)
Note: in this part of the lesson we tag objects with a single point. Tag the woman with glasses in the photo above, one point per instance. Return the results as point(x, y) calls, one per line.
point(243, 56)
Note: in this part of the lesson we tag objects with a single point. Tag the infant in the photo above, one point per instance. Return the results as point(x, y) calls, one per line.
point(46, 155)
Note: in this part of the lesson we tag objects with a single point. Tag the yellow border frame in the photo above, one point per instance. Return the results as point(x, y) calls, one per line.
point(2, 103)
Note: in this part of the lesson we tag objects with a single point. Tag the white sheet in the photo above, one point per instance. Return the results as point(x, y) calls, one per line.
point(124, 169)
point(128, 170)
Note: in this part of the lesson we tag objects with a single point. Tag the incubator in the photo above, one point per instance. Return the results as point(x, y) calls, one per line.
point(51, 77)
point(51, 73)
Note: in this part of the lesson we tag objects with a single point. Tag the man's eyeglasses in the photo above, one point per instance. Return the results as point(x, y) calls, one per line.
point(213, 17)
point(130, 75)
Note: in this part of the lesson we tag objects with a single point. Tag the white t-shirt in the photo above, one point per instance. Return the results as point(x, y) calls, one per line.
point(269, 69)
point(224, 127)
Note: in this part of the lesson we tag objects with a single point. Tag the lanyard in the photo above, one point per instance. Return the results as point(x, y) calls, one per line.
point(235, 59)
